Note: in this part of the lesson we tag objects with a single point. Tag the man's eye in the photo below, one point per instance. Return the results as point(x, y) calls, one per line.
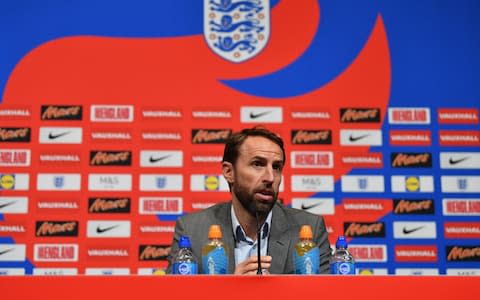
point(257, 164)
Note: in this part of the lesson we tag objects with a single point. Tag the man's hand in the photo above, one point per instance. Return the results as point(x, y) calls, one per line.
point(250, 265)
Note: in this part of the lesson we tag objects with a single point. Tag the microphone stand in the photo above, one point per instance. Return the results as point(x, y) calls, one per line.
point(259, 237)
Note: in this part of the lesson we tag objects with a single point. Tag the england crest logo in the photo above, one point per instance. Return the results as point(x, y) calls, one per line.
point(236, 30)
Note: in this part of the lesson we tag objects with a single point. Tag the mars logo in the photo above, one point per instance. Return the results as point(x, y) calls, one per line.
point(109, 205)
point(463, 253)
point(311, 137)
point(61, 112)
point(56, 228)
point(210, 136)
point(110, 158)
point(411, 160)
point(359, 115)
point(361, 229)
point(153, 252)
point(15, 134)
point(413, 207)
point(236, 29)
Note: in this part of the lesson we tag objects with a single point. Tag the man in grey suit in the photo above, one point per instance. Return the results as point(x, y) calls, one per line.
point(252, 165)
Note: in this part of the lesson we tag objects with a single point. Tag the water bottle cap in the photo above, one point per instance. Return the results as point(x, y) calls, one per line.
point(341, 242)
point(306, 232)
point(184, 242)
point(215, 232)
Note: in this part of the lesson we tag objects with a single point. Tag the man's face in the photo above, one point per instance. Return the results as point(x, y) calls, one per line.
point(257, 174)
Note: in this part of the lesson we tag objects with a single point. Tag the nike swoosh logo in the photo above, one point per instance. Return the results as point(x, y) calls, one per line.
point(102, 230)
point(457, 161)
point(357, 138)
point(56, 136)
point(305, 207)
point(408, 231)
point(6, 204)
point(6, 251)
point(258, 115)
point(154, 160)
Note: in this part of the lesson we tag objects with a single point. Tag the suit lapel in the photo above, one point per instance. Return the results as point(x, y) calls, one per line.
point(279, 240)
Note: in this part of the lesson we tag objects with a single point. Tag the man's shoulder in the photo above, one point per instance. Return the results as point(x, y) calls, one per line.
point(214, 210)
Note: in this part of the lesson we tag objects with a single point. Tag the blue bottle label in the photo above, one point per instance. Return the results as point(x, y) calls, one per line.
point(343, 268)
point(308, 263)
point(215, 262)
point(185, 268)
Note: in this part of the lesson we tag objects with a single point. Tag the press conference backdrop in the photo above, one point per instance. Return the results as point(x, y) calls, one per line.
point(114, 114)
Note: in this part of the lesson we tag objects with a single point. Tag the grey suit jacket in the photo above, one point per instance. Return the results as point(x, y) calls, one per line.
point(285, 227)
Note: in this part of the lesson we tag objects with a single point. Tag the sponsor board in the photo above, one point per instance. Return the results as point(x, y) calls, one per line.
point(362, 184)
point(61, 113)
point(55, 252)
point(104, 253)
point(414, 230)
point(155, 113)
point(160, 205)
point(462, 253)
point(366, 206)
point(109, 182)
point(60, 135)
point(153, 252)
point(360, 137)
point(55, 271)
point(155, 228)
point(360, 115)
point(463, 272)
point(409, 115)
point(108, 229)
point(12, 252)
point(110, 135)
point(15, 134)
point(460, 184)
point(210, 136)
point(368, 253)
point(208, 183)
point(458, 116)
point(10, 228)
point(405, 184)
point(362, 160)
point(311, 137)
point(16, 182)
point(416, 253)
point(204, 159)
point(14, 157)
point(411, 160)
point(410, 138)
point(110, 158)
point(460, 160)
point(67, 206)
point(56, 228)
point(107, 271)
point(461, 230)
point(102, 205)
point(59, 182)
point(461, 207)
point(10, 112)
point(459, 137)
point(12, 271)
point(318, 206)
point(311, 159)
point(261, 114)
point(364, 229)
point(111, 113)
point(312, 183)
point(413, 207)
point(13, 205)
point(161, 158)
point(416, 271)
point(161, 182)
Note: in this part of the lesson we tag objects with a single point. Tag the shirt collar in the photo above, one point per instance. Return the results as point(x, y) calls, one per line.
point(239, 233)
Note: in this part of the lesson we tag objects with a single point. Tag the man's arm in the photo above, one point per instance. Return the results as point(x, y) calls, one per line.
point(324, 245)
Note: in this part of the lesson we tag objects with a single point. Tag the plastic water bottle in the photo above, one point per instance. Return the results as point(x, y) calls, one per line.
point(306, 256)
point(342, 262)
point(214, 253)
point(185, 262)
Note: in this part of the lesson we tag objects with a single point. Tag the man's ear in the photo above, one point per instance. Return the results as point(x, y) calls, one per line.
point(228, 172)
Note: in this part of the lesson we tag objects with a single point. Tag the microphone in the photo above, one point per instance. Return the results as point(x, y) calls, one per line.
point(259, 237)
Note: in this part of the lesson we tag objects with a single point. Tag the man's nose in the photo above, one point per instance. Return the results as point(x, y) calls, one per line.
point(268, 175)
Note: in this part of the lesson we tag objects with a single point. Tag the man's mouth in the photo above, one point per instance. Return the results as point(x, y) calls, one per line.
point(265, 195)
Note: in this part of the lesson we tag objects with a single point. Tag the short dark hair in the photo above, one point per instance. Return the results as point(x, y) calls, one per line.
point(235, 141)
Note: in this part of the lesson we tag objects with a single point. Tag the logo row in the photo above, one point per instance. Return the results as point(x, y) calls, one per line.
point(347, 137)
point(298, 159)
point(248, 114)
point(175, 206)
